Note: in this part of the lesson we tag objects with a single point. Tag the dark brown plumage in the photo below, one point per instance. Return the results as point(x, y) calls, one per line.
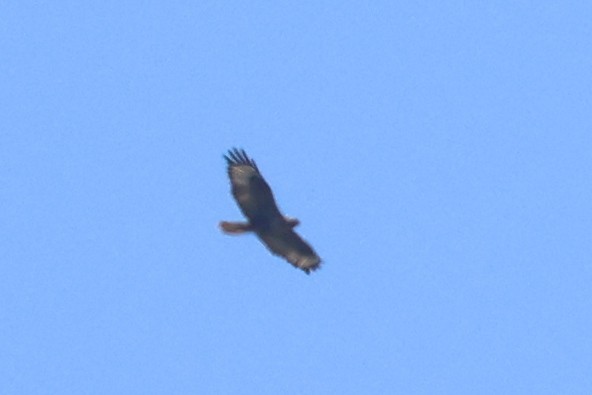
point(256, 201)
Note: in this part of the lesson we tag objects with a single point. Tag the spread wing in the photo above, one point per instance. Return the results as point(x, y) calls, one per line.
point(281, 240)
point(252, 193)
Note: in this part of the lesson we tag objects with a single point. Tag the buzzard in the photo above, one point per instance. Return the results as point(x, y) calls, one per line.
point(256, 201)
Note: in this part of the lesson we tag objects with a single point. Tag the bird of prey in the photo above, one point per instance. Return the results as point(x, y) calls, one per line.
point(255, 200)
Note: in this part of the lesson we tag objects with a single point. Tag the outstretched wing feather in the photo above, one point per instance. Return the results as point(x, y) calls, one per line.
point(283, 241)
point(249, 188)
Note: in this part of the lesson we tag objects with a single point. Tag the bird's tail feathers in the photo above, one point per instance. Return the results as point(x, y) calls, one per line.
point(235, 228)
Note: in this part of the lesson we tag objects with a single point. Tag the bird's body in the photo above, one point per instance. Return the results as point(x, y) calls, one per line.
point(256, 201)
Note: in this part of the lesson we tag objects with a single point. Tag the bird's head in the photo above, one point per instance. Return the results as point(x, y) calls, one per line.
point(293, 222)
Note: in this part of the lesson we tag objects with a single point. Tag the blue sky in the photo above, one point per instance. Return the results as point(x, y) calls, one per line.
point(438, 155)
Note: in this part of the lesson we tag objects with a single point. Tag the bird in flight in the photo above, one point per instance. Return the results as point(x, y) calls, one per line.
point(255, 199)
